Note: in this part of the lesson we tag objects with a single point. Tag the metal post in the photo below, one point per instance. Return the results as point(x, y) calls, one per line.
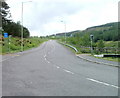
point(91, 37)
point(65, 32)
point(65, 29)
point(9, 42)
point(91, 47)
point(22, 26)
point(22, 29)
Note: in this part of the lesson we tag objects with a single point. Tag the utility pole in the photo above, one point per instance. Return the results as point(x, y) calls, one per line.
point(64, 29)
point(91, 37)
point(22, 28)
point(22, 25)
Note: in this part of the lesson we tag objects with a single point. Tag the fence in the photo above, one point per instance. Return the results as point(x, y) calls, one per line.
point(97, 50)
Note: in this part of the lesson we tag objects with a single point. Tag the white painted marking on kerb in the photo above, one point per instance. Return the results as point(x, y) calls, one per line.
point(68, 71)
point(102, 83)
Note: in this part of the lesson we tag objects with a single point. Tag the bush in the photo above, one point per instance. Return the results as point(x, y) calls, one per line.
point(13, 47)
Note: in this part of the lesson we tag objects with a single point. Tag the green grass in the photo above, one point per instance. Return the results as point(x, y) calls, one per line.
point(105, 58)
point(115, 59)
point(111, 59)
point(15, 44)
point(70, 48)
point(111, 44)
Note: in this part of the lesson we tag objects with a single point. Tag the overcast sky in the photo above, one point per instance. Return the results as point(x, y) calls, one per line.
point(43, 17)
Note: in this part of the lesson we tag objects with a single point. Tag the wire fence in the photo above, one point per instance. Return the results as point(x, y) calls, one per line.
point(96, 50)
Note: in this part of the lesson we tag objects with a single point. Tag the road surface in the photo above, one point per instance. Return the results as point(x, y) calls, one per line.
point(53, 70)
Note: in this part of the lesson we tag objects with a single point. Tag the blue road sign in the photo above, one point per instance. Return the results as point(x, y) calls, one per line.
point(5, 35)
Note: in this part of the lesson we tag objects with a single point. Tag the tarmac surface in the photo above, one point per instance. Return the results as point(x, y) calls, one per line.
point(53, 70)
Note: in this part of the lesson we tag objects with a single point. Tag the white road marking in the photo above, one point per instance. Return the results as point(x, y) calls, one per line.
point(3, 60)
point(115, 86)
point(58, 67)
point(48, 62)
point(45, 56)
point(68, 71)
point(102, 82)
point(9, 58)
point(45, 59)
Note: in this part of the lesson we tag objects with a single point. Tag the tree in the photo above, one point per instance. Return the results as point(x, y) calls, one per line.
point(26, 32)
point(100, 45)
point(9, 26)
point(14, 29)
point(85, 40)
point(5, 13)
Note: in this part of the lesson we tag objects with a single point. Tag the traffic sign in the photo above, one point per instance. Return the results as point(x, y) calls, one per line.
point(5, 35)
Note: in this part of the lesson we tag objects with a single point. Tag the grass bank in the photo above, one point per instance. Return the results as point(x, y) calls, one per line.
point(115, 59)
point(80, 52)
point(14, 44)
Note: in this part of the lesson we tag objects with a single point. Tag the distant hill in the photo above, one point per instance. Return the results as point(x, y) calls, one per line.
point(68, 33)
point(106, 32)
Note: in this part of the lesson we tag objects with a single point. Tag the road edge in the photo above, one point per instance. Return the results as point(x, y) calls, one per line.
point(88, 59)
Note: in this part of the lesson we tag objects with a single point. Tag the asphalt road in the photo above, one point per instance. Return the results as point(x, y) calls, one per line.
point(53, 70)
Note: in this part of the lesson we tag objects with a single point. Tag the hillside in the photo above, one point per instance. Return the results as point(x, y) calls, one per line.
point(106, 32)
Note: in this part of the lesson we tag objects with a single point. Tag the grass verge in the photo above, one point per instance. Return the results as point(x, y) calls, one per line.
point(15, 44)
point(79, 52)
point(115, 59)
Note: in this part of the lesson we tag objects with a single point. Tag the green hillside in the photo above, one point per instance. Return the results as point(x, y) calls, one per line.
point(105, 38)
point(106, 32)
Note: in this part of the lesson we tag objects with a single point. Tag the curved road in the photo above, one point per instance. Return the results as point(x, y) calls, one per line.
point(53, 70)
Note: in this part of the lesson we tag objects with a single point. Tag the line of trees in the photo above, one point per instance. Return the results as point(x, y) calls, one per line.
point(8, 25)
point(102, 34)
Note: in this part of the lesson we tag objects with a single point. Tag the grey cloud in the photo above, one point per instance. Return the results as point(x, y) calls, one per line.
point(45, 12)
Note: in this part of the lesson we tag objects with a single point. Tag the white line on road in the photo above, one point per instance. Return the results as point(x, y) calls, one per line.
point(45, 59)
point(102, 82)
point(3, 60)
point(9, 58)
point(68, 71)
point(58, 67)
point(48, 62)
point(44, 56)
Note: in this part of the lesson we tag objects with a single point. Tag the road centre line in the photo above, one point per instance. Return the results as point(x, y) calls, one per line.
point(68, 71)
point(45, 56)
point(58, 67)
point(93, 80)
point(102, 82)
point(45, 59)
point(48, 62)
point(90, 79)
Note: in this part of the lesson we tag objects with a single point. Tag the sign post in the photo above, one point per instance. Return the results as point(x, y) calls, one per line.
point(9, 42)
point(91, 37)
point(6, 41)
point(5, 35)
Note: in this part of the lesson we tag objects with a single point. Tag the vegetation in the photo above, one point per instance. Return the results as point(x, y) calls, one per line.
point(104, 36)
point(15, 44)
point(105, 39)
point(9, 26)
point(14, 29)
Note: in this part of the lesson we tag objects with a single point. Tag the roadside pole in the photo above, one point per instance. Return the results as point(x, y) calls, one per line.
point(9, 42)
point(6, 42)
point(91, 37)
